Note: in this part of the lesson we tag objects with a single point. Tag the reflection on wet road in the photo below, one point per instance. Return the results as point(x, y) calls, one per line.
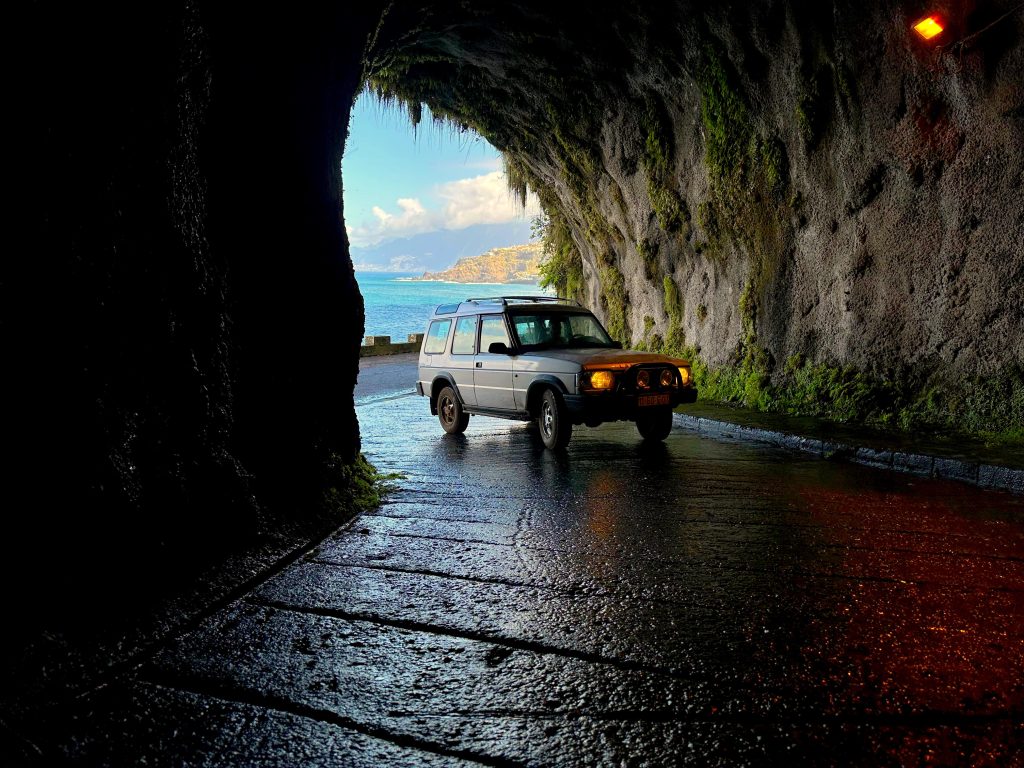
point(698, 601)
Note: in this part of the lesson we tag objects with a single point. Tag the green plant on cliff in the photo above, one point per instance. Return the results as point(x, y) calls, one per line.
point(991, 407)
point(562, 267)
point(356, 486)
point(673, 303)
point(614, 301)
point(727, 123)
point(573, 128)
point(747, 379)
point(748, 175)
point(669, 207)
point(648, 251)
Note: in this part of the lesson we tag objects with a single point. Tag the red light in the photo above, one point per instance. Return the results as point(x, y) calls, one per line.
point(928, 27)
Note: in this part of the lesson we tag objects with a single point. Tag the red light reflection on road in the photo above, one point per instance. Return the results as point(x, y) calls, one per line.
point(930, 615)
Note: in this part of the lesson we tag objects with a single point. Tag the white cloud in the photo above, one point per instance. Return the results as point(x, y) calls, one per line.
point(479, 200)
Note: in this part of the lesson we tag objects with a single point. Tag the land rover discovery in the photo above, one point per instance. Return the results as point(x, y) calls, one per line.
point(546, 359)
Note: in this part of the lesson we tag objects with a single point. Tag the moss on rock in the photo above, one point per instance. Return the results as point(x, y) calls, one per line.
point(354, 487)
point(614, 301)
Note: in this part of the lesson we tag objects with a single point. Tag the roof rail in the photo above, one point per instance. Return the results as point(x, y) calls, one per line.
point(505, 300)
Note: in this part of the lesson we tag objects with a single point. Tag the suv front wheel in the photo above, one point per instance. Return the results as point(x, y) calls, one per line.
point(554, 424)
point(453, 419)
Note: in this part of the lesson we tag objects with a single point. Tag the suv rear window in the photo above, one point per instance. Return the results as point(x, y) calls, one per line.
point(465, 336)
point(436, 337)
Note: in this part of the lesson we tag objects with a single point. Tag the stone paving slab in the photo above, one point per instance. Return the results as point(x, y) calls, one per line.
point(145, 719)
point(703, 601)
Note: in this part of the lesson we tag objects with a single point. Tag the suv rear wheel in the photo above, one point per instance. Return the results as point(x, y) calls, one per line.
point(655, 424)
point(453, 419)
point(555, 427)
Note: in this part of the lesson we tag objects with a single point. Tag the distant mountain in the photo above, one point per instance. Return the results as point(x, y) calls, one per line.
point(439, 250)
point(516, 264)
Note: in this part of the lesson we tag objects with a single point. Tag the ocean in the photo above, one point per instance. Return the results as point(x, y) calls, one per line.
point(397, 308)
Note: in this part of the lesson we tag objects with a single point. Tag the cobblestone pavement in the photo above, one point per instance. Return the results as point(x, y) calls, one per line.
point(702, 601)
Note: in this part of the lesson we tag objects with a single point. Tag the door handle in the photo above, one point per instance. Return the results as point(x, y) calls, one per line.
point(479, 365)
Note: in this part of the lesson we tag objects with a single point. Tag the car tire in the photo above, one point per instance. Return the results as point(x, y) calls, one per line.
point(453, 419)
point(656, 424)
point(552, 421)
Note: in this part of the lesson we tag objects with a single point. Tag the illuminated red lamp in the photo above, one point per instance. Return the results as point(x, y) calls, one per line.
point(928, 27)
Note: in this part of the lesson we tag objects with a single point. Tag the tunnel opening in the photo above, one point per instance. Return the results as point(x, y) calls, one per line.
point(429, 218)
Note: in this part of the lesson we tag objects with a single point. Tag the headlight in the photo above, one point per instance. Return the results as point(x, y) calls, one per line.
point(684, 375)
point(643, 379)
point(599, 380)
point(666, 378)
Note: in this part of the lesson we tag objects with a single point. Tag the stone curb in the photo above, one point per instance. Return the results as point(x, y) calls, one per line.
point(975, 473)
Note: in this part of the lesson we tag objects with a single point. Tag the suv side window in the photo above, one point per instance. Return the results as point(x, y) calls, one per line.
point(492, 330)
point(436, 337)
point(465, 336)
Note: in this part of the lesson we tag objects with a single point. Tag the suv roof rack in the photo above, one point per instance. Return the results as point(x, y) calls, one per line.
point(506, 300)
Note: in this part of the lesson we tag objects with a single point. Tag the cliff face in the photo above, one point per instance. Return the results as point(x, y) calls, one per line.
point(802, 196)
point(515, 264)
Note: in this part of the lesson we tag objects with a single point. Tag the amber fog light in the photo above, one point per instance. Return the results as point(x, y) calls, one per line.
point(684, 375)
point(643, 379)
point(602, 380)
point(666, 378)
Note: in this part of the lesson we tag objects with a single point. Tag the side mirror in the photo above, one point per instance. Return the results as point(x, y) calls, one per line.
point(498, 348)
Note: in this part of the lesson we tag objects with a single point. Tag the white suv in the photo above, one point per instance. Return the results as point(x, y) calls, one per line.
point(543, 358)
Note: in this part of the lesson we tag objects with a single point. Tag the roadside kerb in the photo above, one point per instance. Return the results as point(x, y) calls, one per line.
point(972, 472)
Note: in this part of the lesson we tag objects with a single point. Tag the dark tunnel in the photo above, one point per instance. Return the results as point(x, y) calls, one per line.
point(181, 318)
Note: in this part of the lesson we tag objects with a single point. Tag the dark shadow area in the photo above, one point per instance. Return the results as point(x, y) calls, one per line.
point(180, 325)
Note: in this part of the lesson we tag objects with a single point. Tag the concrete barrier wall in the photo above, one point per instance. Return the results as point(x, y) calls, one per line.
point(382, 345)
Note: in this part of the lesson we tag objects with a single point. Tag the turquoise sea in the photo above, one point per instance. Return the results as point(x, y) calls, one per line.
point(397, 308)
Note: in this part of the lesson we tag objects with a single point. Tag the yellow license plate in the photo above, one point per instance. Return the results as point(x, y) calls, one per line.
point(644, 400)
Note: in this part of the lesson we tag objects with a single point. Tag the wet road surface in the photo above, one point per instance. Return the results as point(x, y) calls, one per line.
point(698, 602)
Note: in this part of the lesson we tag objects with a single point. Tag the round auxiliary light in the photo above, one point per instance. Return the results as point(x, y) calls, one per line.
point(643, 379)
point(666, 378)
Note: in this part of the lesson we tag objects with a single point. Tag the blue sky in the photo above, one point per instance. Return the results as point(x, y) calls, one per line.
point(400, 182)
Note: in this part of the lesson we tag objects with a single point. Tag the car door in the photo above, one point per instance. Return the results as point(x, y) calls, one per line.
point(492, 375)
point(462, 357)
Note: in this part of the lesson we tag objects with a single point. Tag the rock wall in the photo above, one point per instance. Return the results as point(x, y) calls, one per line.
point(180, 318)
point(801, 195)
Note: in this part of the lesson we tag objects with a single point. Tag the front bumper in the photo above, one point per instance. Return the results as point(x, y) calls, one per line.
point(598, 407)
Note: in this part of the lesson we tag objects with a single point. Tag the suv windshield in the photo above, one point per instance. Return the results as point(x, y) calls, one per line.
point(559, 330)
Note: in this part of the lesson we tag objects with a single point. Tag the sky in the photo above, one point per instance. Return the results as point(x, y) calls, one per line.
point(400, 182)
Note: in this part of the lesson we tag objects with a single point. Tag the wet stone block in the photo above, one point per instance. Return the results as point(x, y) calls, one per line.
point(873, 458)
point(912, 463)
point(1002, 478)
point(955, 469)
